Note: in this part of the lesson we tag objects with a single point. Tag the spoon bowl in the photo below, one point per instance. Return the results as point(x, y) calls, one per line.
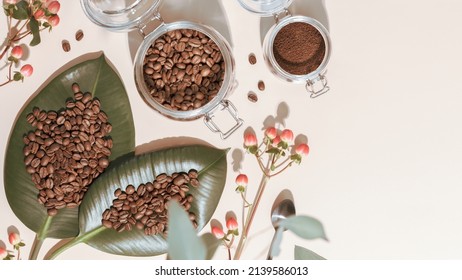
point(282, 209)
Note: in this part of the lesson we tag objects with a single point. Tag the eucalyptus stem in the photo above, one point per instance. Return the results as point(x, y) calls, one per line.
point(54, 252)
point(39, 238)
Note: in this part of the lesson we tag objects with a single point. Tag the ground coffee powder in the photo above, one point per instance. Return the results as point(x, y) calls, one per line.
point(299, 48)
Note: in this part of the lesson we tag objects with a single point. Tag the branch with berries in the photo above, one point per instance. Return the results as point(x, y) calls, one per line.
point(274, 155)
point(24, 18)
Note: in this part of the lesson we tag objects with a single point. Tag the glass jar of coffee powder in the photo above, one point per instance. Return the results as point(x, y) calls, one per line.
point(296, 48)
point(184, 70)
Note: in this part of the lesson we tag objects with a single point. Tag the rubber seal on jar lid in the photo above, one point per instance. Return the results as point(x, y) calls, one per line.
point(265, 8)
point(120, 15)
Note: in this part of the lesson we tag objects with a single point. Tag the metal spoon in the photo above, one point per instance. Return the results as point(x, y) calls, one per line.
point(281, 211)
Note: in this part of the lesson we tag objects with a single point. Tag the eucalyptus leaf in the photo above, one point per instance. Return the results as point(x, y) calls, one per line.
point(275, 249)
point(95, 76)
point(301, 253)
point(183, 243)
point(140, 169)
point(304, 226)
point(211, 244)
point(34, 28)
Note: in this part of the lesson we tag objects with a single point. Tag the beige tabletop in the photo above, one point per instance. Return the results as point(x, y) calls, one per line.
point(383, 174)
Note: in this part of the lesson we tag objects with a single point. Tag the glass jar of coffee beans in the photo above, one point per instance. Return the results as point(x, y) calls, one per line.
point(184, 70)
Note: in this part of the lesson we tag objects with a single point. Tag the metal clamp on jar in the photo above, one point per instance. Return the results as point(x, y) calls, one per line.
point(184, 70)
point(290, 36)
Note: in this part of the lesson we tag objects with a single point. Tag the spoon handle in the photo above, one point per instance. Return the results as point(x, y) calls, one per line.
point(270, 257)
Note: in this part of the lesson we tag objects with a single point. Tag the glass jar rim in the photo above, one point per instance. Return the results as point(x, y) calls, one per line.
point(228, 81)
point(269, 53)
point(124, 18)
point(265, 8)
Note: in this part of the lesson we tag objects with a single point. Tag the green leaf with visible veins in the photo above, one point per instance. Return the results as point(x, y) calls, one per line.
point(140, 169)
point(95, 76)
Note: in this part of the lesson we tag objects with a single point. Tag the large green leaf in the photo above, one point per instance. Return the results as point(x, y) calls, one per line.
point(97, 77)
point(138, 169)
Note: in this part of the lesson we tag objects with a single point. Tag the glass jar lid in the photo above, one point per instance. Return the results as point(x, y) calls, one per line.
point(265, 7)
point(120, 15)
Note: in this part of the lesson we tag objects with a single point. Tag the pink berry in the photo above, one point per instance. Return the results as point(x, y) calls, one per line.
point(287, 135)
point(271, 133)
point(302, 149)
point(14, 238)
point(27, 70)
point(218, 232)
point(242, 180)
point(53, 7)
point(276, 140)
point(53, 20)
point(39, 14)
point(13, 2)
point(17, 52)
point(3, 253)
point(231, 223)
point(250, 140)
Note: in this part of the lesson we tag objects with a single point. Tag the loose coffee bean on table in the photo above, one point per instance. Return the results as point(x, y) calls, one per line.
point(261, 85)
point(184, 69)
point(299, 48)
point(252, 96)
point(79, 35)
point(69, 148)
point(252, 59)
point(66, 46)
point(145, 207)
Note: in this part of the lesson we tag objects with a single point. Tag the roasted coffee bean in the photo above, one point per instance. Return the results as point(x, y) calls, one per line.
point(252, 96)
point(61, 154)
point(79, 35)
point(252, 59)
point(66, 46)
point(261, 85)
point(145, 207)
point(194, 182)
point(180, 62)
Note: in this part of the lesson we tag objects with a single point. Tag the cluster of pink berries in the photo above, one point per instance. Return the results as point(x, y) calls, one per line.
point(231, 225)
point(39, 15)
point(26, 70)
point(17, 243)
point(276, 143)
